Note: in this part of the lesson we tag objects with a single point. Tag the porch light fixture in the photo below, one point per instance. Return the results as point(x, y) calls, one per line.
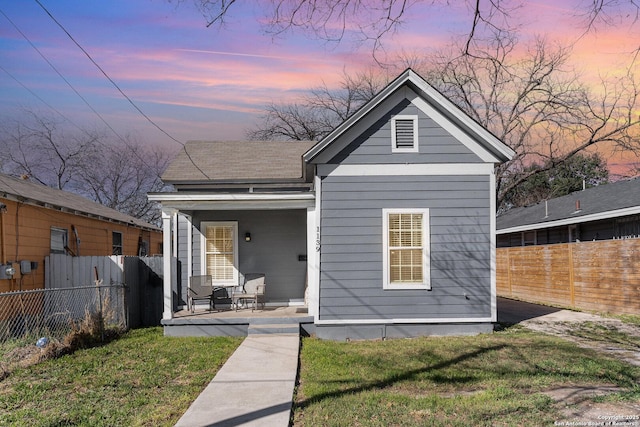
point(247, 237)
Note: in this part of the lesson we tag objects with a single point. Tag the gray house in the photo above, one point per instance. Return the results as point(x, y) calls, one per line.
point(385, 228)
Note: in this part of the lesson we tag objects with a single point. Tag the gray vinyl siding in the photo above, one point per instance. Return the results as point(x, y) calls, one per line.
point(436, 145)
point(351, 247)
point(278, 239)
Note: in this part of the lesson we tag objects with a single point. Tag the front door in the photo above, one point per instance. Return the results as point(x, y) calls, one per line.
point(220, 252)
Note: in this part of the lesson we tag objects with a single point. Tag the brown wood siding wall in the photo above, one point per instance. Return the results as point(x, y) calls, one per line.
point(26, 235)
point(600, 276)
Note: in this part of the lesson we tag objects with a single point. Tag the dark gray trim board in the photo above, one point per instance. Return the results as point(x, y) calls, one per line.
point(384, 331)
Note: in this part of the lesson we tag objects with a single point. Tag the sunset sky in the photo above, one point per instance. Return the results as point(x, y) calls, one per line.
point(212, 83)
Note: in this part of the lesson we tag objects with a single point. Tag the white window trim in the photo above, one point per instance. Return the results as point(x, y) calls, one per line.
point(415, 147)
point(61, 232)
point(203, 244)
point(426, 265)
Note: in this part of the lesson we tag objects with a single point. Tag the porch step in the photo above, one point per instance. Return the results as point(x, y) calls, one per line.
point(274, 328)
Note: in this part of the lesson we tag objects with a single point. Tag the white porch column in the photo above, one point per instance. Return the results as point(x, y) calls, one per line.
point(168, 266)
point(313, 254)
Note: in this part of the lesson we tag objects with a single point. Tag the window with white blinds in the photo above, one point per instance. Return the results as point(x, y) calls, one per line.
point(406, 249)
point(220, 252)
point(404, 134)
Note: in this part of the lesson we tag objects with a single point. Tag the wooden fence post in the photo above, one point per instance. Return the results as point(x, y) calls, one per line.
point(572, 290)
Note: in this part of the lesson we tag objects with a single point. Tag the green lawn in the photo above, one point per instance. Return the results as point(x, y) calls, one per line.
point(494, 379)
point(140, 379)
point(144, 378)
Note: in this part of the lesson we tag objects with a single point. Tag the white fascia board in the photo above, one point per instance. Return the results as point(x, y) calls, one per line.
point(455, 130)
point(471, 124)
point(569, 221)
point(362, 112)
point(356, 129)
point(403, 321)
point(403, 169)
point(351, 128)
point(202, 201)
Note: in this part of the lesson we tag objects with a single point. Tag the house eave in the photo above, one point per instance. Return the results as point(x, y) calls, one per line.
point(133, 222)
point(232, 201)
point(572, 220)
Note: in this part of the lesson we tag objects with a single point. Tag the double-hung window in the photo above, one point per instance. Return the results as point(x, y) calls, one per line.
point(220, 252)
point(406, 249)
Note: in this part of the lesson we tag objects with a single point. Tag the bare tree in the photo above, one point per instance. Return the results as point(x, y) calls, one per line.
point(319, 112)
point(537, 105)
point(373, 22)
point(116, 174)
point(126, 172)
point(533, 102)
point(38, 147)
point(336, 21)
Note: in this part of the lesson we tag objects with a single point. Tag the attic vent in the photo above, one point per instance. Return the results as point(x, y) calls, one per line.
point(404, 134)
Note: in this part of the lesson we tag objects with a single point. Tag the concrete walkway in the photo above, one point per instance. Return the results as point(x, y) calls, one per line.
point(253, 388)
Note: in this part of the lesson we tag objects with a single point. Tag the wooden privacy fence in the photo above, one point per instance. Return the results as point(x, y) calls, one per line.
point(599, 276)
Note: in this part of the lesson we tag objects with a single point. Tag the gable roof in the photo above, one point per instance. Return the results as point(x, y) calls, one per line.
point(41, 195)
point(237, 161)
point(612, 200)
point(488, 142)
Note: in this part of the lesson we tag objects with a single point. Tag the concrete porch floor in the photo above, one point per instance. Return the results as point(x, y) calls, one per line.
point(203, 322)
point(201, 313)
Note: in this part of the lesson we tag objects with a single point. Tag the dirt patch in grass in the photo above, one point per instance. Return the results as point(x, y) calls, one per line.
point(611, 337)
point(595, 405)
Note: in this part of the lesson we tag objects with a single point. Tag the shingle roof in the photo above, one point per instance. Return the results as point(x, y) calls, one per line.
point(593, 201)
point(59, 199)
point(243, 161)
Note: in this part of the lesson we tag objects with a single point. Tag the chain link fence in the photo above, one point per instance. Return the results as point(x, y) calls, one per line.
point(27, 316)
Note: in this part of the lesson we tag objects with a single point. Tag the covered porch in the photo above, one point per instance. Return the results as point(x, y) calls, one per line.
point(273, 234)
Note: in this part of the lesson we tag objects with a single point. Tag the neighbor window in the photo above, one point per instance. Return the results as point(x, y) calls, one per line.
point(406, 249)
point(116, 237)
point(404, 134)
point(59, 240)
point(529, 238)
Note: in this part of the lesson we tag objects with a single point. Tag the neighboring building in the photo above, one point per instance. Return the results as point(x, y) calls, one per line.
point(385, 228)
point(36, 220)
point(609, 211)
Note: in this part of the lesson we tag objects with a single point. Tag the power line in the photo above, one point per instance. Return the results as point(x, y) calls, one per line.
point(118, 87)
point(35, 95)
point(53, 67)
point(43, 56)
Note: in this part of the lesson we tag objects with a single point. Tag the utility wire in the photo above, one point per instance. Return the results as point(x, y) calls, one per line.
point(25, 87)
point(118, 87)
point(53, 67)
point(123, 140)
